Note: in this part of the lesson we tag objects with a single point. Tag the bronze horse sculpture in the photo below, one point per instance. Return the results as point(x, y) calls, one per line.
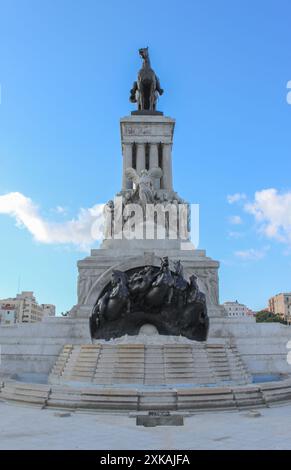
point(146, 89)
point(158, 296)
point(140, 282)
point(195, 312)
point(114, 301)
point(162, 288)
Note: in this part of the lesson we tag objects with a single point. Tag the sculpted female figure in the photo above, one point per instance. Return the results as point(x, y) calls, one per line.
point(144, 183)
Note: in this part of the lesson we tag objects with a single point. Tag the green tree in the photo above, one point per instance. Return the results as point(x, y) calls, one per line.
point(264, 316)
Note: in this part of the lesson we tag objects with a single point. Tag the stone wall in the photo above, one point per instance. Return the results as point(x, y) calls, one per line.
point(262, 346)
point(34, 347)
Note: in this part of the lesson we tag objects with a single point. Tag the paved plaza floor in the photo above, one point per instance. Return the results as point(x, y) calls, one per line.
point(25, 427)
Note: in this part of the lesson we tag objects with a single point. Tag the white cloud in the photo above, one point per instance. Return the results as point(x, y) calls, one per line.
point(235, 220)
point(235, 197)
point(76, 231)
point(236, 234)
point(251, 254)
point(272, 212)
point(60, 210)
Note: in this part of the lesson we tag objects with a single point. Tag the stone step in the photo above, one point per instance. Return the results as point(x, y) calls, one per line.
point(75, 373)
point(85, 358)
point(276, 394)
point(30, 393)
point(23, 393)
point(24, 398)
point(105, 363)
point(194, 398)
point(154, 373)
point(79, 366)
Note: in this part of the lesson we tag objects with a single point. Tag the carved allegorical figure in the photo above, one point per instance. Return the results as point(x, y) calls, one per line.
point(144, 183)
point(108, 213)
point(212, 281)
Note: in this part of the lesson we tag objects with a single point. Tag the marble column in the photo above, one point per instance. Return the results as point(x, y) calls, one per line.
point(127, 163)
point(167, 182)
point(154, 161)
point(140, 157)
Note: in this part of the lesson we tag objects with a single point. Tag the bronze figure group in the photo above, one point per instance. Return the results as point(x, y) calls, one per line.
point(159, 296)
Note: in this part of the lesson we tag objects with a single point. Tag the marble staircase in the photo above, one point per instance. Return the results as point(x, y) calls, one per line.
point(150, 364)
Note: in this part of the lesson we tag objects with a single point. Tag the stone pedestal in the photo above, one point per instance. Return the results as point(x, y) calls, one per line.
point(147, 143)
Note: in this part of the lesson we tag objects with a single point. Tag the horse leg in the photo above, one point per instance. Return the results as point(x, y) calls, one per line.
point(153, 96)
point(128, 305)
point(141, 96)
point(139, 99)
point(170, 295)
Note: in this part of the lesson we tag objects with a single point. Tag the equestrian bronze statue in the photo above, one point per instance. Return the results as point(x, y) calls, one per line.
point(146, 89)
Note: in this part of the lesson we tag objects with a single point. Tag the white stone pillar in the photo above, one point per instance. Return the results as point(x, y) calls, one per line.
point(154, 161)
point(140, 157)
point(167, 167)
point(127, 163)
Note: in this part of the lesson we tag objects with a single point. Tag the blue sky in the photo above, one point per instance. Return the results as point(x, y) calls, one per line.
point(65, 74)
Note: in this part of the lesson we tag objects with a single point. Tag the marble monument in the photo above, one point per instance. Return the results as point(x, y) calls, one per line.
point(194, 358)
